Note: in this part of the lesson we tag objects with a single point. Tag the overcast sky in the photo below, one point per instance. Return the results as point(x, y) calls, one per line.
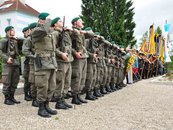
point(147, 12)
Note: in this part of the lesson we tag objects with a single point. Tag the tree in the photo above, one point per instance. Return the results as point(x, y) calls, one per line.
point(158, 31)
point(112, 18)
point(129, 24)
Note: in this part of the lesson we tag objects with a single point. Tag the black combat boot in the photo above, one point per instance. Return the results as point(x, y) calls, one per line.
point(123, 85)
point(7, 100)
point(108, 88)
point(27, 97)
point(66, 104)
point(75, 100)
point(89, 95)
point(34, 102)
point(96, 92)
point(118, 86)
point(102, 90)
point(53, 99)
point(112, 87)
point(42, 111)
point(80, 99)
point(49, 110)
point(60, 105)
point(92, 94)
point(13, 99)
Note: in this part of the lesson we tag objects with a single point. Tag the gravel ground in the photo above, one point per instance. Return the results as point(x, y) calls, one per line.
point(139, 106)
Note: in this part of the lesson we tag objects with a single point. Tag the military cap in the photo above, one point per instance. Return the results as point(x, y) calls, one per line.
point(32, 25)
point(25, 29)
point(54, 21)
point(43, 16)
point(112, 42)
point(97, 33)
point(8, 28)
point(88, 29)
point(75, 19)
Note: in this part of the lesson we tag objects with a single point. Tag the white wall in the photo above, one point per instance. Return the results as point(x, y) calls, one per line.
point(18, 21)
point(4, 23)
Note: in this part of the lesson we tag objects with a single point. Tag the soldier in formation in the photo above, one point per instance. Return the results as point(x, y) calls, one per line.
point(61, 60)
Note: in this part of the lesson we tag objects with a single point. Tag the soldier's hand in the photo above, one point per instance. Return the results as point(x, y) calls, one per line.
point(78, 55)
point(109, 60)
point(113, 61)
point(64, 56)
point(10, 60)
point(95, 56)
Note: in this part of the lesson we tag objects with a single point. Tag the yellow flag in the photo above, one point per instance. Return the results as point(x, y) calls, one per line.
point(161, 54)
point(152, 49)
point(143, 46)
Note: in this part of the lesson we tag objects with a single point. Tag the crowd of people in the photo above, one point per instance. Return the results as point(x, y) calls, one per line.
point(63, 63)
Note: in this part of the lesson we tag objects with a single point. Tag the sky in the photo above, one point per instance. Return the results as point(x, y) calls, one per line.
point(147, 12)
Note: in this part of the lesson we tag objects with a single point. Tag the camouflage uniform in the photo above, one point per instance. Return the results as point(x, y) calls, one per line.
point(10, 72)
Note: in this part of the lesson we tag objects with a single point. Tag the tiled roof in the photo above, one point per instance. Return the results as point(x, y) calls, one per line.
point(17, 5)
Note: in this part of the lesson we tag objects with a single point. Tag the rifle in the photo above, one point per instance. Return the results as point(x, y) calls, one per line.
point(10, 49)
point(61, 40)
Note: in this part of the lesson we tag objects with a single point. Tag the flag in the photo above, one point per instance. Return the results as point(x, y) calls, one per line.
point(143, 46)
point(162, 51)
point(152, 46)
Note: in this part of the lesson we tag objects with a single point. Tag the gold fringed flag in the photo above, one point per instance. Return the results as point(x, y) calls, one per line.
point(143, 46)
point(152, 49)
point(162, 48)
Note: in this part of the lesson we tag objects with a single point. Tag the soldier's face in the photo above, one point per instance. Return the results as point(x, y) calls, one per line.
point(41, 21)
point(59, 23)
point(25, 33)
point(11, 33)
point(79, 23)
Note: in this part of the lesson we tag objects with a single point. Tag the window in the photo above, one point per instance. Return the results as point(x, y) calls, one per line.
point(8, 21)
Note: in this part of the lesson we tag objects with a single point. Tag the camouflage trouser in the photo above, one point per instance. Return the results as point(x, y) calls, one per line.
point(121, 75)
point(114, 78)
point(26, 77)
point(110, 75)
point(91, 76)
point(105, 75)
point(32, 81)
point(79, 68)
point(63, 79)
point(99, 78)
point(45, 81)
point(10, 79)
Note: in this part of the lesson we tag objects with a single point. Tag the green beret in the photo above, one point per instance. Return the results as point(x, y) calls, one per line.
point(43, 16)
point(32, 25)
point(97, 33)
point(75, 19)
point(25, 29)
point(88, 29)
point(54, 21)
point(8, 28)
point(112, 42)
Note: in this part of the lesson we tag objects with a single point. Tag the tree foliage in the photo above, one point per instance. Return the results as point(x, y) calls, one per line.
point(112, 18)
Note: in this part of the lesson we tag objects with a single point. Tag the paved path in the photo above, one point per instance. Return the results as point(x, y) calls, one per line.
point(140, 106)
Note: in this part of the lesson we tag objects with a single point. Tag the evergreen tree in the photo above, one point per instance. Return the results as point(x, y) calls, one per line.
point(158, 31)
point(129, 24)
point(112, 18)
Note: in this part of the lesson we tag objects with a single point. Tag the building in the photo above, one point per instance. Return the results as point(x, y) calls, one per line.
point(16, 13)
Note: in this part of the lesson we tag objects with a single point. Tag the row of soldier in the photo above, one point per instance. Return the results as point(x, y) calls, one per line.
point(59, 60)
